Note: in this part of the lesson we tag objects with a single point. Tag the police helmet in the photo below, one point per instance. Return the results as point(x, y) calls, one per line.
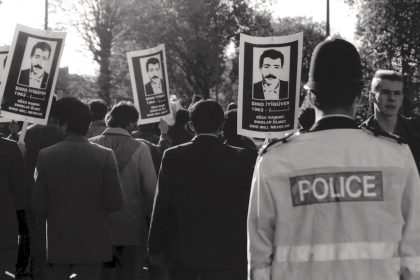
point(335, 66)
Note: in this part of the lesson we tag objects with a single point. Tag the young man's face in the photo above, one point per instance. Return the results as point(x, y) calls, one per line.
point(39, 61)
point(270, 70)
point(388, 97)
point(154, 72)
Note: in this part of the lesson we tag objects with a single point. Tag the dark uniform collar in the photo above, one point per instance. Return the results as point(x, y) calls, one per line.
point(209, 138)
point(334, 122)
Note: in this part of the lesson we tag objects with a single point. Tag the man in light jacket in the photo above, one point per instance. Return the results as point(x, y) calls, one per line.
point(138, 180)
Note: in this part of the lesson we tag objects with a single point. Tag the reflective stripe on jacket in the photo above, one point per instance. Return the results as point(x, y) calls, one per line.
point(335, 204)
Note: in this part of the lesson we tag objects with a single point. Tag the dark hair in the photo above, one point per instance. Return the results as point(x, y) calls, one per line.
point(122, 114)
point(382, 74)
point(98, 109)
point(330, 100)
point(182, 117)
point(230, 126)
point(207, 116)
point(273, 54)
point(43, 46)
point(152, 60)
point(75, 113)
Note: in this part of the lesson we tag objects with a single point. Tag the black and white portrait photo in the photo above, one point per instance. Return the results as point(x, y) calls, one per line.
point(149, 81)
point(271, 65)
point(37, 74)
point(30, 74)
point(153, 81)
point(269, 85)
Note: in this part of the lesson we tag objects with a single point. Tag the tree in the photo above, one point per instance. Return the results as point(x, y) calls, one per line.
point(101, 24)
point(389, 32)
point(196, 34)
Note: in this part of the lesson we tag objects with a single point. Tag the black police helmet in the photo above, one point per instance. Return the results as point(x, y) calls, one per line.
point(335, 66)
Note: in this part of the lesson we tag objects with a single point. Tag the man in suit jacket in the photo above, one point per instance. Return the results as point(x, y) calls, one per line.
point(155, 85)
point(12, 199)
point(36, 76)
point(271, 87)
point(199, 216)
point(76, 186)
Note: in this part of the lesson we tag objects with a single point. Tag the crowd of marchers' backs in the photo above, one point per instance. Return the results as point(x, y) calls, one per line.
point(92, 195)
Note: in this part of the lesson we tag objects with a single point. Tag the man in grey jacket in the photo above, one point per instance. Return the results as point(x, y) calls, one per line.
point(138, 180)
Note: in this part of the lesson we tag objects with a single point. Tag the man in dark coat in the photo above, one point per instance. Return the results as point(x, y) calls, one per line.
point(77, 185)
point(271, 87)
point(387, 98)
point(199, 216)
point(12, 201)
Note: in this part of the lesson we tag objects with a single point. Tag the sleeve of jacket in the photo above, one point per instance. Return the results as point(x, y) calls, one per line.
point(112, 184)
point(161, 210)
point(148, 177)
point(39, 202)
point(261, 225)
point(17, 178)
point(410, 243)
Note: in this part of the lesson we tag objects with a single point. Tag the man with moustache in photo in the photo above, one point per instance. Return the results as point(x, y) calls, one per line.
point(36, 76)
point(271, 87)
point(155, 85)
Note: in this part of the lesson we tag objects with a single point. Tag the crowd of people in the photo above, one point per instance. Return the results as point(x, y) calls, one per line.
point(91, 195)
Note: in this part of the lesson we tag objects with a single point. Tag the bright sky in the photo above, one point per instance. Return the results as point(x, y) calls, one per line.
point(79, 60)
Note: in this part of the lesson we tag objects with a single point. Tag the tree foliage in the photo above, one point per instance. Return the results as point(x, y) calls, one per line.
point(101, 23)
point(389, 33)
point(196, 34)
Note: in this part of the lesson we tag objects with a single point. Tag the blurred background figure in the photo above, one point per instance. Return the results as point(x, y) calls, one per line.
point(178, 133)
point(98, 109)
point(232, 106)
point(307, 118)
point(231, 137)
point(149, 132)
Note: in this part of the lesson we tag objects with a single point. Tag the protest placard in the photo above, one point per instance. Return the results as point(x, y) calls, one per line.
point(3, 58)
point(149, 81)
point(269, 85)
point(30, 74)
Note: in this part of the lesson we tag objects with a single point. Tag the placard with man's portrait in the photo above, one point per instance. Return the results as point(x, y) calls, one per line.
point(269, 85)
point(150, 83)
point(30, 74)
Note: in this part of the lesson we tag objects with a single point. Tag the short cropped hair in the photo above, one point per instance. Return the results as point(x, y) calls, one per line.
point(98, 109)
point(382, 74)
point(75, 113)
point(331, 100)
point(273, 54)
point(206, 116)
point(43, 46)
point(121, 115)
point(152, 60)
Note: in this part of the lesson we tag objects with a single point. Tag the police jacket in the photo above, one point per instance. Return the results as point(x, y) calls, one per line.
point(335, 203)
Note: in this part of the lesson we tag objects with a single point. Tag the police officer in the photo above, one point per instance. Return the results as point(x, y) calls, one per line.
point(336, 202)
